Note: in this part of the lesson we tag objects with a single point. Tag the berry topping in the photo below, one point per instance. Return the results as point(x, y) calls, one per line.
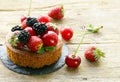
point(31, 21)
point(56, 13)
point(14, 40)
point(40, 28)
point(50, 39)
point(35, 43)
point(23, 24)
point(66, 33)
point(24, 36)
point(44, 19)
point(30, 30)
point(23, 18)
point(52, 27)
point(17, 27)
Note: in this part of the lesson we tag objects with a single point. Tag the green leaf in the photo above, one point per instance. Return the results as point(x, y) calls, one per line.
point(40, 51)
point(98, 54)
point(94, 29)
point(49, 48)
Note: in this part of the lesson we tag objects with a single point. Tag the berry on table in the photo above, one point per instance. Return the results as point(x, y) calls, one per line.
point(66, 32)
point(56, 13)
point(39, 28)
point(24, 36)
point(50, 39)
point(93, 54)
point(44, 19)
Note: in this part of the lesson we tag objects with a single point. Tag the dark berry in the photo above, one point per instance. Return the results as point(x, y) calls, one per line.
point(30, 21)
point(24, 36)
point(40, 28)
point(17, 27)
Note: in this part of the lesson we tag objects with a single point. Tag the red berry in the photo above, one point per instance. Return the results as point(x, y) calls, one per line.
point(50, 38)
point(23, 18)
point(23, 24)
point(72, 61)
point(56, 13)
point(30, 30)
point(35, 43)
point(66, 33)
point(93, 54)
point(52, 27)
point(44, 19)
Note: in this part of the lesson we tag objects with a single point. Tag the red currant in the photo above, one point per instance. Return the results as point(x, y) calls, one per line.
point(23, 18)
point(50, 39)
point(66, 33)
point(72, 61)
point(30, 30)
point(44, 19)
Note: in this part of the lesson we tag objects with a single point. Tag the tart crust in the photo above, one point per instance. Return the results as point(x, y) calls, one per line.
point(26, 58)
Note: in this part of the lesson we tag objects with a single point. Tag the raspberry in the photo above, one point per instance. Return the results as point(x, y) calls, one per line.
point(24, 36)
point(31, 21)
point(17, 27)
point(40, 28)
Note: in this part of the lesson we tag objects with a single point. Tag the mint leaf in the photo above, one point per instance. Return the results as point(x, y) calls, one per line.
point(94, 29)
point(49, 48)
point(40, 51)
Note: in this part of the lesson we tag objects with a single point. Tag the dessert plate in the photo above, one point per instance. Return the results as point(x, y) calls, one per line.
point(29, 71)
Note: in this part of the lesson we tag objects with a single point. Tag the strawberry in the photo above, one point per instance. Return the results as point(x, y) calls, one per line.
point(52, 27)
point(93, 54)
point(35, 43)
point(56, 13)
point(23, 18)
point(50, 39)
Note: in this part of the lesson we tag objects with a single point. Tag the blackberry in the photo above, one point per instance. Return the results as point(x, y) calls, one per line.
point(40, 28)
point(17, 27)
point(24, 36)
point(30, 21)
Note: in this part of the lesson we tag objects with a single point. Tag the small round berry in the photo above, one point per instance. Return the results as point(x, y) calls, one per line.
point(23, 18)
point(66, 33)
point(44, 19)
point(40, 28)
point(31, 21)
point(50, 39)
point(24, 36)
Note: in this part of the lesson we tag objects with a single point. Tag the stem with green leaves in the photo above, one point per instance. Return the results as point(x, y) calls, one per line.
point(83, 36)
point(29, 9)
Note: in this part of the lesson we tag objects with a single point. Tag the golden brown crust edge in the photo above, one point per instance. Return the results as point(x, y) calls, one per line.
point(33, 60)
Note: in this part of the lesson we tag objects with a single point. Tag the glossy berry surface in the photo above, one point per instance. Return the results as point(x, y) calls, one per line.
point(15, 28)
point(35, 43)
point(72, 61)
point(30, 30)
point(44, 19)
point(52, 27)
point(23, 24)
point(66, 33)
point(23, 18)
point(50, 39)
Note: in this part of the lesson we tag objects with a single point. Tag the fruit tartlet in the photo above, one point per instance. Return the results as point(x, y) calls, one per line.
point(33, 44)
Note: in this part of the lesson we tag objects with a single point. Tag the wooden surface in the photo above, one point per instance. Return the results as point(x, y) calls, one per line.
point(77, 14)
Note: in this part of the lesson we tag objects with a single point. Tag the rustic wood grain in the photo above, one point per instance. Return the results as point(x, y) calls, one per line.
point(78, 13)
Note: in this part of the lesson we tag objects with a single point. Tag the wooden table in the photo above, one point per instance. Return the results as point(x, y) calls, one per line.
point(77, 13)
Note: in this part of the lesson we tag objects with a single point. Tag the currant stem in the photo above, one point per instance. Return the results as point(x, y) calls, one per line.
point(83, 36)
point(29, 7)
